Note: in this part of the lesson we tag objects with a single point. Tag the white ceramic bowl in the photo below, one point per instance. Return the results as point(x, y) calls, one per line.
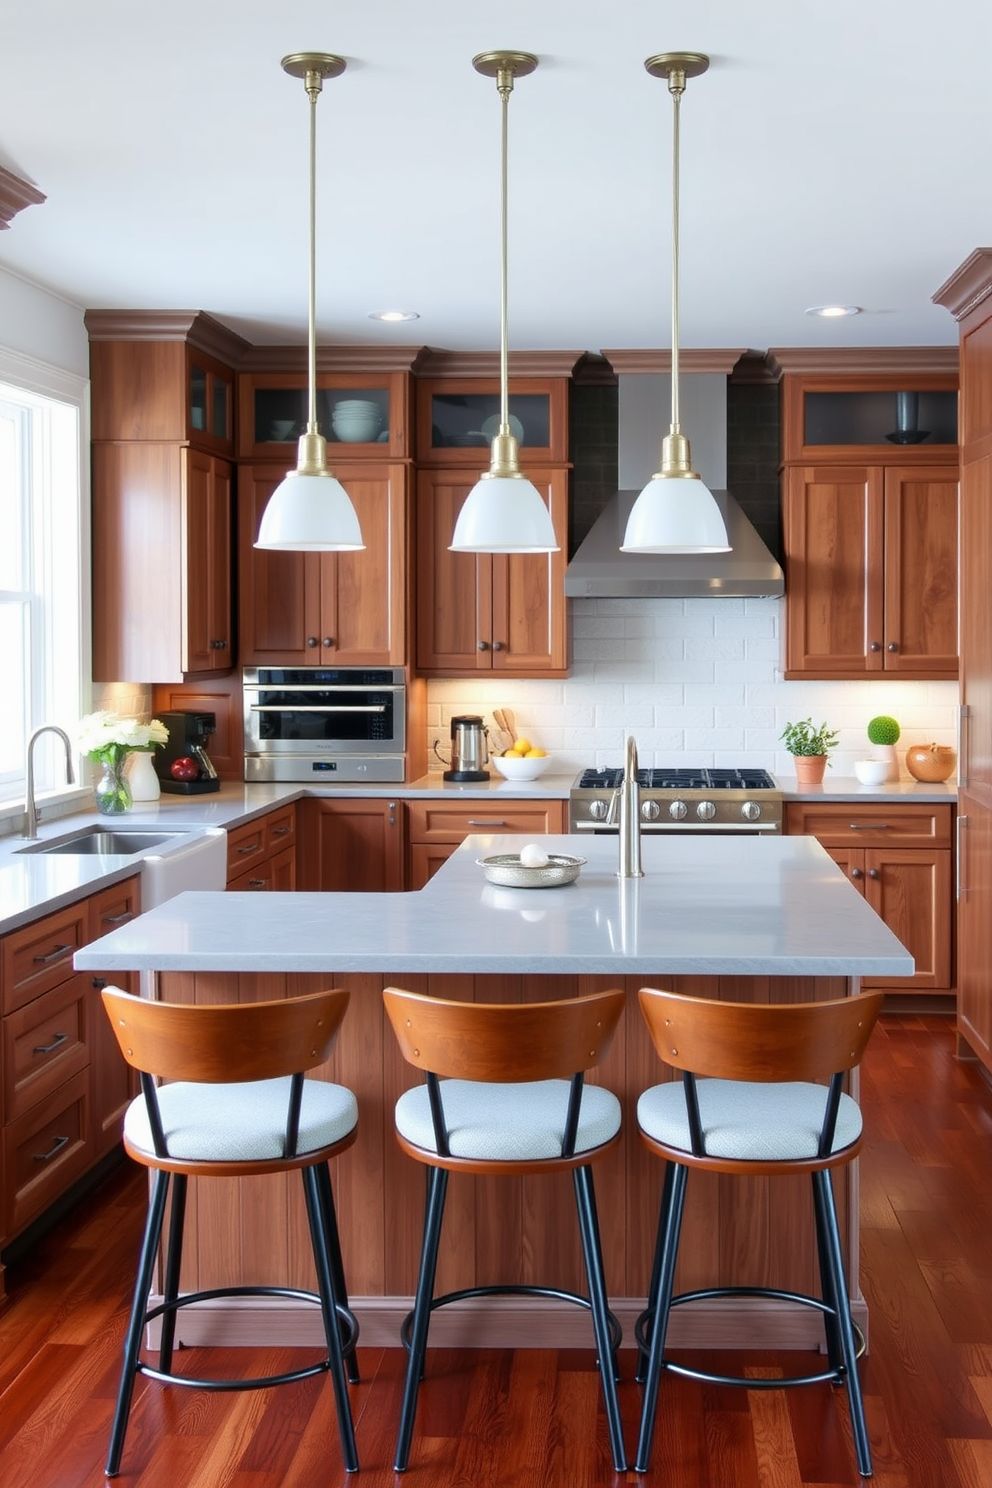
point(872, 772)
point(520, 769)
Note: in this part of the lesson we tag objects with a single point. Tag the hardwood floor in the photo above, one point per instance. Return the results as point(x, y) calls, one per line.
point(504, 1419)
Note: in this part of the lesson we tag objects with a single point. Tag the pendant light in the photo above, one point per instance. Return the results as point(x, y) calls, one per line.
point(310, 511)
point(504, 512)
point(676, 512)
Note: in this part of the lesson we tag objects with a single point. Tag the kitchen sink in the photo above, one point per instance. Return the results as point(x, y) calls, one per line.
point(106, 841)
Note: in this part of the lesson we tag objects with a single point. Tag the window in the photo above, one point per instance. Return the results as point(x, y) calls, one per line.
point(44, 563)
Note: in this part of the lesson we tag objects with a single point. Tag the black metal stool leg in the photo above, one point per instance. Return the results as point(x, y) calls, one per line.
point(652, 1307)
point(585, 1199)
point(845, 1327)
point(328, 1302)
point(323, 1177)
point(669, 1227)
point(139, 1306)
point(830, 1328)
point(437, 1189)
point(170, 1289)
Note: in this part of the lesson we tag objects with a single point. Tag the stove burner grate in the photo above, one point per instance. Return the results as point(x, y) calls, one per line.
point(664, 778)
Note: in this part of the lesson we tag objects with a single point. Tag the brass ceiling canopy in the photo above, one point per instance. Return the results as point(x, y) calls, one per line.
point(513, 64)
point(689, 64)
point(321, 64)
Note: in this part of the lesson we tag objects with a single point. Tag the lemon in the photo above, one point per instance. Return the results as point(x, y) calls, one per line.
point(536, 753)
point(521, 746)
point(512, 754)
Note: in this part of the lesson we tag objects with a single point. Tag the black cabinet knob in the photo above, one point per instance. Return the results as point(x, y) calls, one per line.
point(893, 646)
point(483, 645)
point(876, 646)
point(311, 641)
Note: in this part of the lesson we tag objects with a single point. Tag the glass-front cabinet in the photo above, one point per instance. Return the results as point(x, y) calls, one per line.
point(457, 415)
point(365, 413)
point(209, 401)
point(885, 417)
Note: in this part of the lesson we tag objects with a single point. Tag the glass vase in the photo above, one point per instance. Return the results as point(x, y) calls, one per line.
point(113, 794)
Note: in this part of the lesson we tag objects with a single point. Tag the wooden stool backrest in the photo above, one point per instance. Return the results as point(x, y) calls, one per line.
point(512, 1041)
point(228, 1042)
point(759, 1041)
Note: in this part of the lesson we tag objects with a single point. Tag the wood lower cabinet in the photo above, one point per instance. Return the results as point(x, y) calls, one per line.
point(899, 858)
point(481, 612)
point(326, 609)
point(64, 1084)
point(872, 567)
point(974, 896)
point(436, 828)
point(261, 855)
point(355, 843)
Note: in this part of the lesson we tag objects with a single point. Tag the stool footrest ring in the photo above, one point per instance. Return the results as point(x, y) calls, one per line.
point(344, 1316)
point(642, 1335)
point(556, 1293)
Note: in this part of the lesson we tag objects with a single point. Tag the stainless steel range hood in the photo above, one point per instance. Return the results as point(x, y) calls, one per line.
point(600, 570)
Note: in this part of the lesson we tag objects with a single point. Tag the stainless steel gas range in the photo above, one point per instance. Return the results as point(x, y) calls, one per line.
point(710, 800)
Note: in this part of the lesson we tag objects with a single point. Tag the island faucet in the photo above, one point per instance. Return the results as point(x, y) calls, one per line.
point(30, 811)
point(630, 816)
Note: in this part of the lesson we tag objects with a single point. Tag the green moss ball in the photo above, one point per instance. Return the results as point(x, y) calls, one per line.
point(883, 730)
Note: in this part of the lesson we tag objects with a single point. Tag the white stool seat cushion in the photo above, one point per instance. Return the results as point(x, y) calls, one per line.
point(242, 1122)
point(508, 1123)
point(746, 1121)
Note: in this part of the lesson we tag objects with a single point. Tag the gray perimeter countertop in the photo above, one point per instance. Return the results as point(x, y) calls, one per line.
point(756, 906)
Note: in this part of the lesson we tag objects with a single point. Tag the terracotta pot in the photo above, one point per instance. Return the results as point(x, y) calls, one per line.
point(810, 768)
point(930, 762)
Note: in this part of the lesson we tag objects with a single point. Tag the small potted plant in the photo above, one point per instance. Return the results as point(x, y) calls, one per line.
point(883, 733)
point(810, 745)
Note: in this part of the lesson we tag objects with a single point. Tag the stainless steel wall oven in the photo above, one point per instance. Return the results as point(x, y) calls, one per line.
point(324, 723)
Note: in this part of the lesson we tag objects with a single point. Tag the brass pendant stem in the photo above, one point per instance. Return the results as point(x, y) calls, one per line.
point(676, 89)
point(313, 92)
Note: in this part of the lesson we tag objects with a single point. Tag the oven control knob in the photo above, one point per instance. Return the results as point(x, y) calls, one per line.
point(598, 810)
point(678, 810)
point(750, 811)
point(706, 811)
point(650, 810)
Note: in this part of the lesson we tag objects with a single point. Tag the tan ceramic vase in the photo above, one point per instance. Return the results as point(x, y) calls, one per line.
point(810, 768)
point(930, 762)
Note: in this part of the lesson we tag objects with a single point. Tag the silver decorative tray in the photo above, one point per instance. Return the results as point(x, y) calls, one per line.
point(507, 869)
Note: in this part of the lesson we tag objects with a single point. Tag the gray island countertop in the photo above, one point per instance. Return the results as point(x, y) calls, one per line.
point(745, 906)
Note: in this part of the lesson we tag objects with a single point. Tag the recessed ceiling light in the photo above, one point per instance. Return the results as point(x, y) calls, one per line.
point(392, 315)
point(833, 312)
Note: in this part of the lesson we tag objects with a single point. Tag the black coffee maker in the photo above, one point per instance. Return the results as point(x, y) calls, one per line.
point(183, 766)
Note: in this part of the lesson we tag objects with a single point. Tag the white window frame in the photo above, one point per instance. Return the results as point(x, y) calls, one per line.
point(24, 374)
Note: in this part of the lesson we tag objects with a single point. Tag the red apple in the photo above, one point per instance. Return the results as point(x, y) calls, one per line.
point(184, 768)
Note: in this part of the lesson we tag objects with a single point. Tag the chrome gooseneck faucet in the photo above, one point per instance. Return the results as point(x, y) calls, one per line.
point(30, 811)
point(630, 816)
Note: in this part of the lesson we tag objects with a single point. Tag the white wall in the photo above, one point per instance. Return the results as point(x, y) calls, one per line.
point(697, 682)
point(42, 325)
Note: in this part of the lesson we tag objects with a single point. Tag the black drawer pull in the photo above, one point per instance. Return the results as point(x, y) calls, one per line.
point(280, 831)
point(60, 1038)
point(251, 847)
point(59, 950)
point(867, 826)
point(117, 919)
point(257, 883)
point(55, 1148)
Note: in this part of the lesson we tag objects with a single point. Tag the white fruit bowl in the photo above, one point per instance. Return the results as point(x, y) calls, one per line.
point(522, 768)
point(872, 772)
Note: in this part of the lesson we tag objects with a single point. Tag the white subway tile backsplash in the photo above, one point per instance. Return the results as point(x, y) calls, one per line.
point(697, 682)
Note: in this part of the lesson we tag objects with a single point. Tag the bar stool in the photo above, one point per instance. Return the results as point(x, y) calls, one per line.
point(239, 1105)
point(757, 1112)
point(513, 1102)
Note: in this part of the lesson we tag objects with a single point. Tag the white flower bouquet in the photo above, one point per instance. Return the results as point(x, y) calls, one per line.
point(107, 739)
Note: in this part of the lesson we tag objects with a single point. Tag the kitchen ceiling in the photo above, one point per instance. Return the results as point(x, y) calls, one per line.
point(832, 154)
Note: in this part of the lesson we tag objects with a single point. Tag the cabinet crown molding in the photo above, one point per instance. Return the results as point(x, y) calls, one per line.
point(15, 195)
point(333, 359)
point(196, 327)
point(968, 286)
point(439, 363)
point(659, 359)
point(854, 360)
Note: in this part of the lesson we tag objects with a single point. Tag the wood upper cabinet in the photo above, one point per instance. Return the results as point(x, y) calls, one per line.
point(363, 412)
point(899, 857)
point(316, 609)
point(161, 562)
point(163, 423)
point(481, 612)
point(871, 554)
point(870, 512)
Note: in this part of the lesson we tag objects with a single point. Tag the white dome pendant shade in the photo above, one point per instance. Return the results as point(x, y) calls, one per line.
point(504, 512)
point(310, 511)
point(676, 512)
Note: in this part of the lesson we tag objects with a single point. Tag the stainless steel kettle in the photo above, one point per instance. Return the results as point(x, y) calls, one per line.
point(469, 749)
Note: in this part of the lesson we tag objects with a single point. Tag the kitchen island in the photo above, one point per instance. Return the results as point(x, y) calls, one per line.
point(766, 919)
